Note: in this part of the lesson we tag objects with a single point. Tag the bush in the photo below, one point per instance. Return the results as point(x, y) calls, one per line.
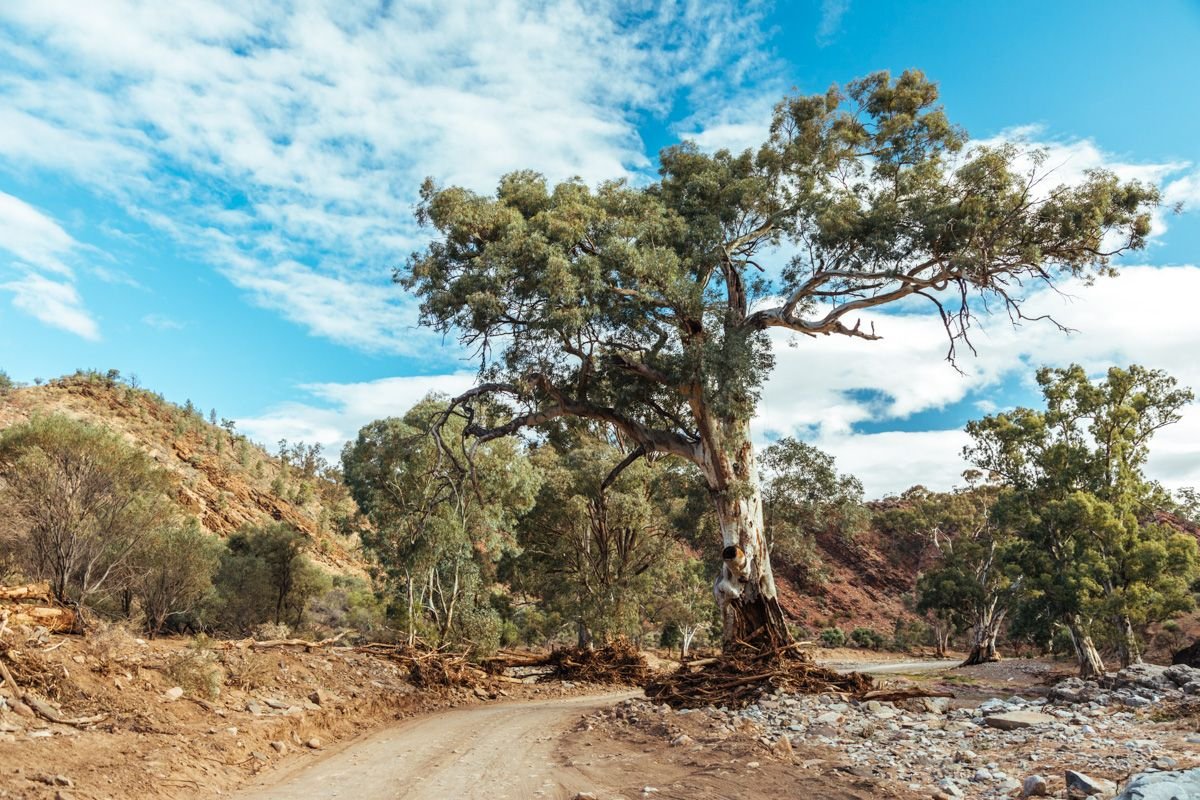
point(175, 569)
point(264, 577)
point(246, 669)
point(868, 638)
point(195, 670)
point(6, 383)
point(833, 637)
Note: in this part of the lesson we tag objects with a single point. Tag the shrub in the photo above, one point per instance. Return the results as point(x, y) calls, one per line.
point(833, 637)
point(868, 638)
point(246, 669)
point(195, 669)
point(175, 570)
point(6, 383)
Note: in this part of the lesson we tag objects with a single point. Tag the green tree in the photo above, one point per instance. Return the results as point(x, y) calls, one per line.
point(173, 572)
point(264, 576)
point(1074, 488)
point(645, 308)
point(588, 551)
point(77, 503)
point(976, 580)
point(683, 599)
point(805, 496)
point(438, 528)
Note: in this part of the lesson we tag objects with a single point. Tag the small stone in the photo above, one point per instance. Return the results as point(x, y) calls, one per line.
point(682, 740)
point(277, 704)
point(584, 796)
point(280, 747)
point(313, 744)
point(1035, 786)
point(173, 694)
point(253, 707)
point(1165, 763)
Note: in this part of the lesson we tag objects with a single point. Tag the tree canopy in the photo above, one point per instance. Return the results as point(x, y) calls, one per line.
point(647, 307)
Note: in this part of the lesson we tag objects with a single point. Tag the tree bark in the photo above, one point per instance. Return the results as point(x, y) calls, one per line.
point(983, 638)
point(1128, 648)
point(1091, 666)
point(745, 586)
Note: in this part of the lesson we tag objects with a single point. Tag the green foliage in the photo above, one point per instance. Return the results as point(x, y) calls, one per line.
point(804, 496)
point(632, 305)
point(833, 637)
point(76, 502)
point(349, 603)
point(173, 571)
point(6, 383)
point(264, 577)
point(1074, 488)
point(867, 638)
point(589, 554)
point(195, 669)
point(438, 530)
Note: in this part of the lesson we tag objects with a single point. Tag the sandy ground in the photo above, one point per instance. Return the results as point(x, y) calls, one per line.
point(506, 750)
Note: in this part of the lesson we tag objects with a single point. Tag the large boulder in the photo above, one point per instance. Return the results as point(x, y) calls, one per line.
point(1176, 785)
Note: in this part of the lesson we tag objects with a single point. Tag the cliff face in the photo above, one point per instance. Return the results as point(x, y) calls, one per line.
point(217, 475)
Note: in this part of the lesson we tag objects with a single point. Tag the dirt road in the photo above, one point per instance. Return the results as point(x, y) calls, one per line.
point(505, 750)
point(893, 667)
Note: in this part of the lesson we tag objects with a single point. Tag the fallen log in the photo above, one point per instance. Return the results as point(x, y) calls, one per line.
point(54, 619)
point(29, 591)
point(40, 706)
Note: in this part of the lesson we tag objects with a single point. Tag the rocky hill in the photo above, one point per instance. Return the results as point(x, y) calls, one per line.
point(218, 475)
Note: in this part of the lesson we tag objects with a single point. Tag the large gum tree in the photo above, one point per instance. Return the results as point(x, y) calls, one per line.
point(647, 307)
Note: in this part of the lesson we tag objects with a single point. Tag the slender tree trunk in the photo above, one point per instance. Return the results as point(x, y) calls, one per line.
point(745, 586)
point(583, 635)
point(1091, 666)
point(1128, 648)
point(689, 633)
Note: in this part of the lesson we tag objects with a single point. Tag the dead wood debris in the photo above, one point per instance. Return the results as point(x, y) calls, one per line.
point(741, 676)
point(429, 666)
point(618, 662)
point(25, 701)
point(32, 604)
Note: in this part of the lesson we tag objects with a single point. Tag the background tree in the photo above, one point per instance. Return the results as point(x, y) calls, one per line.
point(647, 308)
point(804, 496)
point(588, 551)
point(975, 581)
point(77, 502)
point(438, 530)
point(264, 576)
point(683, 600)
point(173, 572)
point(1074, 488)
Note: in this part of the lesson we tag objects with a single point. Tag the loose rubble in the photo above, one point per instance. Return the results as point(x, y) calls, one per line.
point(1082, 741)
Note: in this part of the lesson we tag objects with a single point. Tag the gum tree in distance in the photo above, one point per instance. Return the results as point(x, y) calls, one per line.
point(646, 307)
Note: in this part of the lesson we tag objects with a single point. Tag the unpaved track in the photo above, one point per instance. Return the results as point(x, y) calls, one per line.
point(503, 750)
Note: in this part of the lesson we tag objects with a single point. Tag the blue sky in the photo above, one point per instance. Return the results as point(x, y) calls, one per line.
point(212, 197)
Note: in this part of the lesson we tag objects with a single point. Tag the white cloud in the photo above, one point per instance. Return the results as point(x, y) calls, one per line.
point(37, 245)
point(1145, 316)
point(53, 302)
point(32, 236)
point(832, 13)
point(266, 135)
point(342, 408)
point(162, 322)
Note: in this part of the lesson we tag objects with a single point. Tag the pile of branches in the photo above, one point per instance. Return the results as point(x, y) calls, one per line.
point(429, 666)
point(32, 605)
point(617, 662)
point(742, 675)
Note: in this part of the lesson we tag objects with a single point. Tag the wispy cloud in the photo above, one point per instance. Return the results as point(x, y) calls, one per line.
point(338, 410)
point(56, 303)
point(162, 322)
point(832, 13)
point(285, 144)
point(39, 251)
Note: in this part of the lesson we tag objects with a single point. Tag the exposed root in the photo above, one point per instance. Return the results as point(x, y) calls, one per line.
point(740, 676)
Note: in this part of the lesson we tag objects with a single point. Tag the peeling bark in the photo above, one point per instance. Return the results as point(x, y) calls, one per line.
point(1091, 666)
